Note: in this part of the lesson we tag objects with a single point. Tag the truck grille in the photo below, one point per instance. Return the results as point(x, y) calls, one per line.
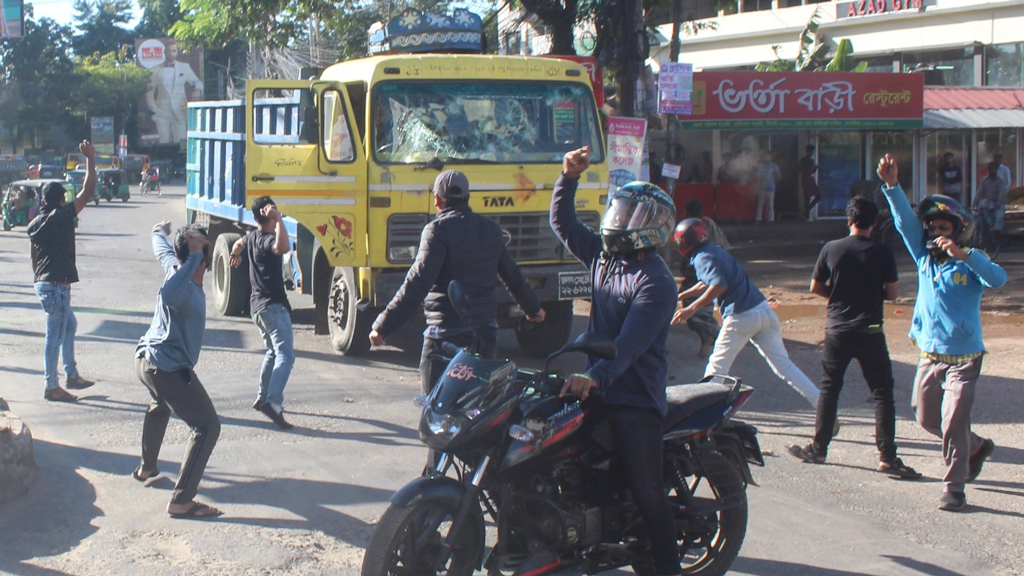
point(528, 236)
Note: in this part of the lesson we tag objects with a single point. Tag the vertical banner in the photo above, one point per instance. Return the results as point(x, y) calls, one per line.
point(175, 81)
point(626, 138)
point(103, 134)
point(12, 19)
point(675, 88)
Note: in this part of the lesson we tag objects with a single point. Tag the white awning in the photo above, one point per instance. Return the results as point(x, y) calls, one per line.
point(973, 118)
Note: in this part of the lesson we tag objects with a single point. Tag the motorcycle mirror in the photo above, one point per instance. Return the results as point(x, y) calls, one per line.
point(459, 299)
point(590, 343)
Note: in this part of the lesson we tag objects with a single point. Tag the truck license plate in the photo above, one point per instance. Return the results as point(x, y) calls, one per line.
point(572, 285)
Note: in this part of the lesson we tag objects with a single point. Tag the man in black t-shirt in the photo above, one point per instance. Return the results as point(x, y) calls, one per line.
point(950, 177)
point(52, 234)
point(268, 304)
point(857, 275)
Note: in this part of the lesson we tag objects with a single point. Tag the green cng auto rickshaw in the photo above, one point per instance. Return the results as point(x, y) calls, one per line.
point(112, 183)
point(23, 198)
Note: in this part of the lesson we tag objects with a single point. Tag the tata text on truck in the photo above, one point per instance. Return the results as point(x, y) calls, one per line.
point(351, 156)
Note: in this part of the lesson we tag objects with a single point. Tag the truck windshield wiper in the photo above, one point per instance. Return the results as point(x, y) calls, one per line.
point(435, 163)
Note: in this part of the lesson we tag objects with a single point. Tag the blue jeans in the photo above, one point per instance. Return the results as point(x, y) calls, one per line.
point(60, 330)
point(275, 324)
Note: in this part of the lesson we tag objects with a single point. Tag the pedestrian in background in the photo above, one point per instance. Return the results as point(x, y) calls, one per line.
point(461, 245)
point(808, 167)
point(746, 315)
point(951, 177)
point(265, 248)
point(703, 322)
point(52, 236)
point(165, 360)
point(768, 175)
point(857, 275)
point(946, 326)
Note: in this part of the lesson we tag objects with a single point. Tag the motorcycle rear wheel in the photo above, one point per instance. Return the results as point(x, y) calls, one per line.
point(709, 552)
point(407, 541)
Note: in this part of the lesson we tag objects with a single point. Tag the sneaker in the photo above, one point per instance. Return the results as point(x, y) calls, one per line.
point(59, 394)
point(897, 469)
point(952, 501)
point(276, 414)
point(977, 459)
point(78, 383)
point(258, 404)
point(807, 454)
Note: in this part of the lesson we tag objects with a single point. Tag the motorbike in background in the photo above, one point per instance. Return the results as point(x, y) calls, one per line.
point(539, 468)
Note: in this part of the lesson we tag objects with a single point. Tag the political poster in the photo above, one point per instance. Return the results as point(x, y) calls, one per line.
point(626, 138)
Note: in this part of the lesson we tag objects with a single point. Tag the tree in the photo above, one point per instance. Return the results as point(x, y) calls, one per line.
point(109, 85)
point(37, 77)
point(101, 26)
point(158, 16)
point(813, 55)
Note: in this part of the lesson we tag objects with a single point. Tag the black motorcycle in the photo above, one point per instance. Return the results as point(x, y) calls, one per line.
point(539, 467)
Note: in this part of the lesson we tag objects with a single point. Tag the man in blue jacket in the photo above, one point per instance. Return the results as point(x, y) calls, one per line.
point(633, 297)
point(946, 326)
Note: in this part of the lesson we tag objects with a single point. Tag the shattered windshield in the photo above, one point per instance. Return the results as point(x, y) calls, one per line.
point(485, 122)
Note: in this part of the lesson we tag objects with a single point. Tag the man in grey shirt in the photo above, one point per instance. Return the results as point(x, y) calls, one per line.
point(164, 362)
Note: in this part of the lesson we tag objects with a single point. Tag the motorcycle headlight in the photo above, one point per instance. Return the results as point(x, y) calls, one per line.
point(444, 427)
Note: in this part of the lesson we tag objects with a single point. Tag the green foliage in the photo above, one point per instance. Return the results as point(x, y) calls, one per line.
point(813, 55)
point(101, 26)
point(158, 16)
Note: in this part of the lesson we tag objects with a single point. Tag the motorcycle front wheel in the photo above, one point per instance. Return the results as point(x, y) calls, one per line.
point(408, 539)
point(712, 520)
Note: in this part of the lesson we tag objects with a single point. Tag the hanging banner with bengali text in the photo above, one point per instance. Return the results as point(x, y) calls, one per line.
point(806, 100)
point(625, 149)
point(675, 88)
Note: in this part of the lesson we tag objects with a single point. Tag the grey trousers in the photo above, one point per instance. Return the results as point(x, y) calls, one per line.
point(183, 393)
point(942, 399)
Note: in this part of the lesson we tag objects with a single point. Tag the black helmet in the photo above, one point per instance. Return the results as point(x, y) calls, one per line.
point(690, 234)
point(946, 208)
point(639, 216)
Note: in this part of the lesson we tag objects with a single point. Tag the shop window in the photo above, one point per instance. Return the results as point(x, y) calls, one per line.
point(840, 158)
point(940, 143)
point(1004, 65)
point(881, 64)
point(942, 68)
point(756, 5)
point(901, 146)
point(996, 141)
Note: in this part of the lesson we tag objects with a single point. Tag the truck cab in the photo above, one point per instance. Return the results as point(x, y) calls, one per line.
point(350, 158)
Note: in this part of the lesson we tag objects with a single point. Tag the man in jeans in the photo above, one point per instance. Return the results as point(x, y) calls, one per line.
point(856, 274)
point(266, 247)
point(746, 316)
point(52, 234)
point(946, 326)
point(165, 360)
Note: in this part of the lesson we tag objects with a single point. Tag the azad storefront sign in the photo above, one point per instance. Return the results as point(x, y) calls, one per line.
point(806, 100)
point(879, 7)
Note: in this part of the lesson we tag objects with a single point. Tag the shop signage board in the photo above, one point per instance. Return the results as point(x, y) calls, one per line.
point(675, 88)
point(626, 138)
point(806, 100)
point(879, 7)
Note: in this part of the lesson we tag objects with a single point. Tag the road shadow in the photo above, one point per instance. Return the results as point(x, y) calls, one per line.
point(764, 567)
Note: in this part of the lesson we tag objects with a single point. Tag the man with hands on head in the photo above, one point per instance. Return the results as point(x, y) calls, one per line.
point(165, 360)
point(52, 234)
point(946, 326)
point(633, 297)
point(268, 304)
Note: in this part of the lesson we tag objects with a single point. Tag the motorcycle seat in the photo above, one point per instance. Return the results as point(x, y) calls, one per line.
point(686, 399)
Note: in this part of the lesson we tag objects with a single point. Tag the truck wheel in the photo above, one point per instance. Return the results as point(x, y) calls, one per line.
point(349, 326)
point(230, 285)
point(539, 340)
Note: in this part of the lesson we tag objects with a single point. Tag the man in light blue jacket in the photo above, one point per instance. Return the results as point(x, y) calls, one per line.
point(946, 326)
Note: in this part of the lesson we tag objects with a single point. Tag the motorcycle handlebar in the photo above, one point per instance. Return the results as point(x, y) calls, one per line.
point(552, 384)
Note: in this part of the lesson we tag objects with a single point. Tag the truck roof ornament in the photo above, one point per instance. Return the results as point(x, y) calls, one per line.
point(414, 31)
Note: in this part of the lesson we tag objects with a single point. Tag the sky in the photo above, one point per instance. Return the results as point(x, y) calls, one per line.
point(63, 12)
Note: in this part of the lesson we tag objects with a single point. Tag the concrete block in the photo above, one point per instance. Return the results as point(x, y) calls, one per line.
point(17, 462)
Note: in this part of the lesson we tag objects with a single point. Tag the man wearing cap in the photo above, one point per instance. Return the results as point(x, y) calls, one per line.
point(52, 234)
point(464, 246)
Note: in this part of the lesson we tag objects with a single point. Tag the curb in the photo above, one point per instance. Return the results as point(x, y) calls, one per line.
point(17, 462)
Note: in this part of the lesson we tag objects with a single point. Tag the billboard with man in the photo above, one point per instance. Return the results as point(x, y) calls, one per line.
point(175, 81)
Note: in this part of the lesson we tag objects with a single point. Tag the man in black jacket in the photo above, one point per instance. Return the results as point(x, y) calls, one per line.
point(464, 246)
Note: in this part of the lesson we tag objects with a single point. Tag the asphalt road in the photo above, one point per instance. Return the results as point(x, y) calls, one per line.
point(305, 501)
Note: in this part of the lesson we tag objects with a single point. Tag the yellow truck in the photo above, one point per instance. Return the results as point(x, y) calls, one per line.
point(350, 158)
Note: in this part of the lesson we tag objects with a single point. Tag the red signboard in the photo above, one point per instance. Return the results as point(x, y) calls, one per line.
point(818, 100)
point(595, 72)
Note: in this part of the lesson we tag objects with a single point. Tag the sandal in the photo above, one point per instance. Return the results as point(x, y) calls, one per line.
point(896, 469)
point(197, 510)
point(141, 475)
point(807, 453)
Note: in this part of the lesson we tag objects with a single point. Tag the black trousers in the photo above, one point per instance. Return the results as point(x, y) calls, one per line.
point(431, 366)
point(637, 436)
point(181, 392)
point(871, 352)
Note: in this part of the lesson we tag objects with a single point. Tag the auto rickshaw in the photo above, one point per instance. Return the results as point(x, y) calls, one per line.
point(77, 178)
point(112, 183)
point(21, 204)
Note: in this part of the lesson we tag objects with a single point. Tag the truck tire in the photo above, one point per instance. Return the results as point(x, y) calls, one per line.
point(348, 325)
point(231, 288)
point(540, 340)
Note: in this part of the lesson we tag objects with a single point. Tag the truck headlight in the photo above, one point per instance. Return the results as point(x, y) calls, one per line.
point(402, 253)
